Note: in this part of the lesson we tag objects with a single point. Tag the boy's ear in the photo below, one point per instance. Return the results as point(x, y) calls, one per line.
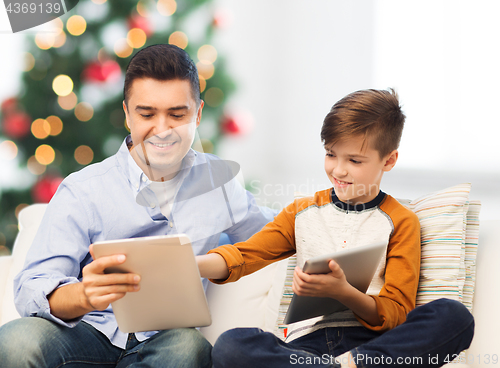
point(390, 160)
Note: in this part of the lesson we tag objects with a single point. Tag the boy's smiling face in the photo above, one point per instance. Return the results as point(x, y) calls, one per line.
point(356, 170)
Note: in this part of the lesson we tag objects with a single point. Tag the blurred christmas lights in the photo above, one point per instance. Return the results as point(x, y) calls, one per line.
point(62, 85)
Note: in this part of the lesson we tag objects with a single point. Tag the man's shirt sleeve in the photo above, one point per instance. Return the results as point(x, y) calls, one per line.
point(248, 218)
point(55, 259)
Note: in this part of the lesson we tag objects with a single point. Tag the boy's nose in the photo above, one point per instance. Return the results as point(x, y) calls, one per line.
point(339, 171)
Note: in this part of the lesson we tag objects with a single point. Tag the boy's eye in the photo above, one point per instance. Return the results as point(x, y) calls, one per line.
point(355, 162)
point(328, 154)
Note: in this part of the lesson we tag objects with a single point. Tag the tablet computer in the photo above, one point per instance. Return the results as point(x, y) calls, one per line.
point(359, 265)
point(171, 293)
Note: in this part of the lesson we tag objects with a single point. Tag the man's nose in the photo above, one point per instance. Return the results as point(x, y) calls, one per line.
point(163, 128)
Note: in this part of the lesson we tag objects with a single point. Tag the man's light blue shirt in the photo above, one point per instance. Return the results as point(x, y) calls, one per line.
point(112, 200)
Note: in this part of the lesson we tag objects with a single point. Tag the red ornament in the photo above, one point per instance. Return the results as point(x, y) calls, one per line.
point(137, 21)
point(45, 188)
point(237, 124)
point(9, 105)
point(16, 124)
point(98, 72)
point(222, 19)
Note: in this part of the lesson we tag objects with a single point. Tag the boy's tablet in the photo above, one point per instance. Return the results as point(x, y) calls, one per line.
point(171, 293)
point(359, 265)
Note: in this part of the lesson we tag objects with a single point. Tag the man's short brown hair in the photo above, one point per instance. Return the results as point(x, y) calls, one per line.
point(162, 62)
point(374, 114)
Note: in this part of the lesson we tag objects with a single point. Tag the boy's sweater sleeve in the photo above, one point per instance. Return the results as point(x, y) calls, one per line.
point(274, 242)
point(397, 297)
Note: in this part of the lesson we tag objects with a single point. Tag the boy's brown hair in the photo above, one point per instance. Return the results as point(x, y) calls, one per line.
point(374, 114)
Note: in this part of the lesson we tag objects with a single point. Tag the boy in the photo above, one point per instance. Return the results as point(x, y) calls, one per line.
point(361, 135)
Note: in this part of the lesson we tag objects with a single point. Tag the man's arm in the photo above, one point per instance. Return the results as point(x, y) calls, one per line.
point(96, 290)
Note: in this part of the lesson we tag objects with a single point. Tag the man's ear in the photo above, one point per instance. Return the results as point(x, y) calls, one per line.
point(390, 160)
point(200, 109)
point(125, 109)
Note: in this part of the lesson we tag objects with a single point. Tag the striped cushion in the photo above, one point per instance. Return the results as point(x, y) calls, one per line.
point(449, 233)
point(443, 220)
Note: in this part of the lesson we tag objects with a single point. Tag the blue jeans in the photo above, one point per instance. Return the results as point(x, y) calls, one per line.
point(430, 337)
point(39, 343)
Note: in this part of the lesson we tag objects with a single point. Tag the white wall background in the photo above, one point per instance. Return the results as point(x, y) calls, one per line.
point(292, 59)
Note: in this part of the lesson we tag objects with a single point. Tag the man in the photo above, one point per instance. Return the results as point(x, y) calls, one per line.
point(155, 185)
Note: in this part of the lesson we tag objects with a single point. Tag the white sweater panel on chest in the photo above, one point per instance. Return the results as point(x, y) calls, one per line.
point(328, 229)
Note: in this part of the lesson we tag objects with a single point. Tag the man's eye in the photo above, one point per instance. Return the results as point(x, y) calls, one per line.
point(178, 116)
point(146, 115)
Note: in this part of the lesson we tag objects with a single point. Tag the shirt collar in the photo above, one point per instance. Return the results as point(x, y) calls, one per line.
point(137, 178)
point(358, 207)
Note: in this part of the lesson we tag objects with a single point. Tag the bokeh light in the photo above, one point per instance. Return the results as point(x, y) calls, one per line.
point(45, 154)
point(68, 102)
point(207, 54)
point(205, 70)
point(166, 7)
point(28, 62)
point(56, 125)
point(179, 39)
point(19, 208)
point(84, 155)
point(40, 128)
point(35, 167)
point(60, 39)
point(45, 41)
point(84, 111)
point(142, 8)
point(213, 97)
point(76, 25)
point(62, 85)
point(8, 150)
point(136, 38)
point(122, 48)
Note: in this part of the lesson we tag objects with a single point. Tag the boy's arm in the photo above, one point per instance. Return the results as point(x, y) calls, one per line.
point(334, 285)
point(212, 266)
point(274, 242)
point(398, 294)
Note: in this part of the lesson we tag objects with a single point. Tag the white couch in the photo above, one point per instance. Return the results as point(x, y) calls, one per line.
point(254, 300)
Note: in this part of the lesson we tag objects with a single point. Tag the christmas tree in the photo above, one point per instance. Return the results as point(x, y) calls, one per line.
point(69, 111)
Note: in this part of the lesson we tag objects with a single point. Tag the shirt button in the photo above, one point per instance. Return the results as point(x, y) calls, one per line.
point(171, 224)
point(153, 205)
point(144, 179)
point(137, 186)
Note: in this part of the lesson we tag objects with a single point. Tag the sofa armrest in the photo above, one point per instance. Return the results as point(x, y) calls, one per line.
point(5, 265)
point(486, 297)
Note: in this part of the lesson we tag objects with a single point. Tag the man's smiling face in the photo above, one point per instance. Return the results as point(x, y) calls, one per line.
point(162, 117)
